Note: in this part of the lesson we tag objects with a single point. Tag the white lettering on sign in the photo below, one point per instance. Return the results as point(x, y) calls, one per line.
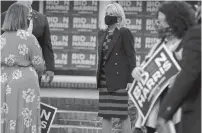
point(65, 38)
point(59, 42)
point(81, 41)
point(65, 20)
point(150, 24)
point(137, 42)
point(54, 22)
point(54, 2)
point(152, 6)
point(82, 3)
point(45, 115)
point(84, 6)
point(136, 25)
point(61, 61)
point(55, 6)
point(125, 3)
point(54, 38)
point(80, 59)
point(149, 81)
point(150, 41)
point(81, 22)
point(78, 56)
point(79, 38)
point(128, 7)
point(52, 19)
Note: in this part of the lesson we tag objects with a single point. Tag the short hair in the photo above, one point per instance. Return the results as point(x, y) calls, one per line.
point(118, 11)
point(179, 16)
point(16, 17)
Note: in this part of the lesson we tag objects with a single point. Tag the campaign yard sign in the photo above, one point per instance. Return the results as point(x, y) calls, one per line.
point(47, 114)
point(158, 70)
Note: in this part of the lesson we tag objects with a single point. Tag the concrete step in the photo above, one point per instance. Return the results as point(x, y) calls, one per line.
point(76, 129)
point(77, 111)
point(72, 104)
point(80, 118)
point(76, 82)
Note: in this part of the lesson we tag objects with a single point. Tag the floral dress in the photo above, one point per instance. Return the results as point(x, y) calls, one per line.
point(21, 65)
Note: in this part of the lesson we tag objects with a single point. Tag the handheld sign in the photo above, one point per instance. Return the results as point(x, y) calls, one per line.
point(158, 70)
point(47, 116)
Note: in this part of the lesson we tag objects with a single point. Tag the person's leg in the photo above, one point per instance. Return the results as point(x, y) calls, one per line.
point(126, 125)
point(107, 125)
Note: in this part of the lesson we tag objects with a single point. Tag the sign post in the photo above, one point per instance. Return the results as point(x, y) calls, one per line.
point(47, 114)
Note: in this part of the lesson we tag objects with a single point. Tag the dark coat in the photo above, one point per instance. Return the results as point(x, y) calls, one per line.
point(186, 91)
point(42, 33)
point(121, 59)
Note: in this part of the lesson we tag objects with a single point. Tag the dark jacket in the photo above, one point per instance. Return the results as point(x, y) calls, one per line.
point(42, 33)
point(121, 59)
point(186, 91)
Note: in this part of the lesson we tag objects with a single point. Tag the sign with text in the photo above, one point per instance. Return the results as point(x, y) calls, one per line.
point(47, 114)
point(144, 43)
point(83, 60)
point(158, 70)
point(61, 59)
point(85, 7)
point(134, 24)
point(57, 6)
point(137, 42)
point(58, 23)
point(132, 7)
point(84, 24)
point(149, 41)
point(74, 27)
point(60, 41)
point(149, 26)
point(84, 41)
point(152, 7)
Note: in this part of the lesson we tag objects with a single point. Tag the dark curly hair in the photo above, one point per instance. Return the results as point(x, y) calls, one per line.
point(179, 16)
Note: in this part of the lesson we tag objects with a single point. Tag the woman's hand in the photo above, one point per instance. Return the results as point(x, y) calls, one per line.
point(137, 73)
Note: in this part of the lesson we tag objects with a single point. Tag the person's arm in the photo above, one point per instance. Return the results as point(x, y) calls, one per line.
point(45, 42)
point(47, 47)
point(128, 42)
point(191, 69)
point(36, 57)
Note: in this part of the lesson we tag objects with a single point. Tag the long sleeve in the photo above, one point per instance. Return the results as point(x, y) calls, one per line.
point(36, 57)
point(191, 70)
point(128, 42)
point(47, 47)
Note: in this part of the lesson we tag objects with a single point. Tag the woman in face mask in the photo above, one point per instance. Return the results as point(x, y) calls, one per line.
point(116, 61)
point(174, 18)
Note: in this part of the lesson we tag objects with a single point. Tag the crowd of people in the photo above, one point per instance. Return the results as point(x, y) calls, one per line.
point(26, 54)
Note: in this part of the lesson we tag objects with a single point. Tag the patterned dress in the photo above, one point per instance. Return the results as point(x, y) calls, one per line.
point(21, 64)
point(112, 104)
